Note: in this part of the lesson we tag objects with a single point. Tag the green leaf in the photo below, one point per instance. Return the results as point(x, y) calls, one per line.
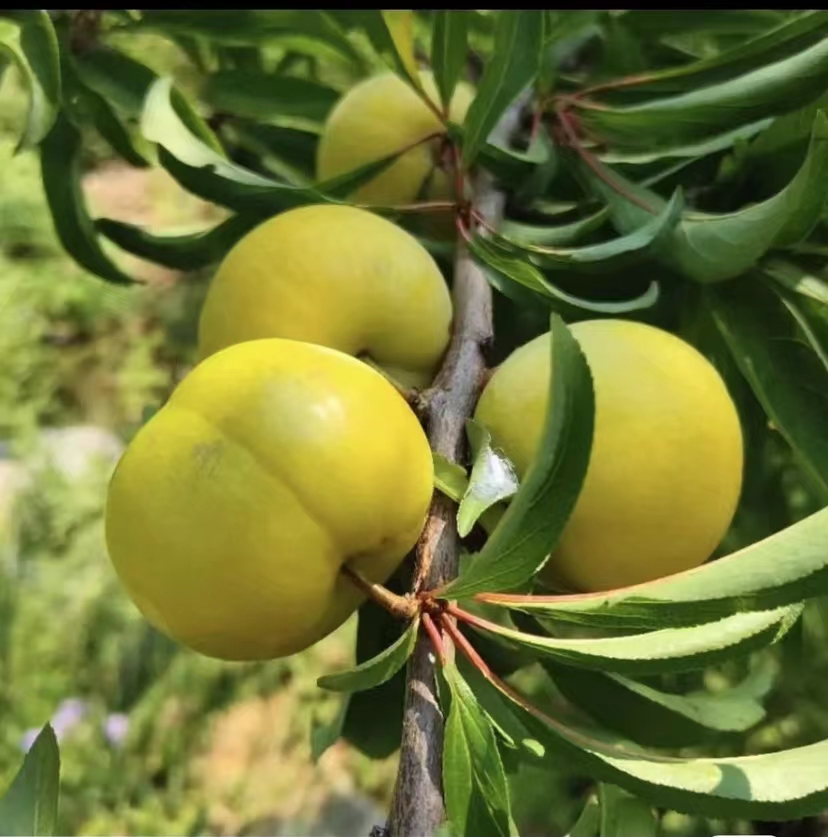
point(511, 166)
point(290, 145)
point(789, 566)
point(652, 717)
point(263, 96)
point(492, 478)
point(623, 815)
point(375, 25)
point(34, 50)
point(514, 64)
point(782, 41)
point(449, 43)
point(767, 91)
point(474, 781)
point(556, 236)
point(449, 477)
point(783, 785)
point(376, 671)
point(589, 820)
point(324, 734)
point(499, 262)
point(783, 370)
point(711, 248)
point(373, 719)
point(179, 252)
point(796, 279)
point(532, 525)
point(254, 26)
point(121, 80)
point(29, 806)
point(59, 165)
point(695, 150)
point(84, 104)
point(608, 255)
point(656, 652)
point(169, 120)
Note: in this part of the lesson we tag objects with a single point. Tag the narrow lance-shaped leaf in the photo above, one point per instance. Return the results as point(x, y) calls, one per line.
point(797, 279)
point(787, 567)
point(262, 96)
point(774, 44)
point(608, 255)
point(514, 64)
point(120, 79)
point(84, 104)
point(652, 717)
point(59, 166)
point(33, 49)
point(449, 42)
point(29, 807)
point(474, 781)
point(390, 39)
point(255, 26)
point(179, 252)
point(532, 526)
point(770, 90)
point(204, 172)
point(711, 248)
point(377, 670)
point(505, 271)
point(554, 236)
point(782, 785)
point(492, 478)
point(372, 720)
point(666, 650)
point(788, 377)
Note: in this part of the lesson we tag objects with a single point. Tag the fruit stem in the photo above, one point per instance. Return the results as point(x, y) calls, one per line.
point(403, 607)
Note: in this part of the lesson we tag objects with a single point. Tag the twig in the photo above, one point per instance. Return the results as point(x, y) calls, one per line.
point(417, 807)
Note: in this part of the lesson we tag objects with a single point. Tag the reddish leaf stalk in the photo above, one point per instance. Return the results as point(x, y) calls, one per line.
point(566, 120)
point(434, 636)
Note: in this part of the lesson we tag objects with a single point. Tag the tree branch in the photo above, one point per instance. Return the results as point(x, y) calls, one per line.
point(417, 806)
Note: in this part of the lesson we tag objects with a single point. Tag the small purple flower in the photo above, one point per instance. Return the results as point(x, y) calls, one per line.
point(69, 714)
point(28, 739)
point(115, 728)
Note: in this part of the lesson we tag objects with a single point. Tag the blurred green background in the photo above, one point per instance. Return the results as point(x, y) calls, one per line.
point(155, 739)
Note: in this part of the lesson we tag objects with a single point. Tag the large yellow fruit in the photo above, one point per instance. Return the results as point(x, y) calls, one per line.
point(337, 276)
point(379, 116)
point(665, 472)
point(273, 463)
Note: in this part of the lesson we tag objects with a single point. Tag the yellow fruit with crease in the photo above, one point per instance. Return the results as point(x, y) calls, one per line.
point(337, 276)
point(233, 509)
point(665, 471)
point(380, 116)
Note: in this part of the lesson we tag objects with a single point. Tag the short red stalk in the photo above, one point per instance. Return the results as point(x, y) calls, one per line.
point(566, 121)
point(434, 636)
point(464, 616)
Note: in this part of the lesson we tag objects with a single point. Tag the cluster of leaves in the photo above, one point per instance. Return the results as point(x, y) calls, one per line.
point(690, 144)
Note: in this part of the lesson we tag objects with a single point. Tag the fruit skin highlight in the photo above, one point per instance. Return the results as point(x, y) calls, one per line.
point(337, 276)
point(379, 116)
point(665, 472)
point(273, 463)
